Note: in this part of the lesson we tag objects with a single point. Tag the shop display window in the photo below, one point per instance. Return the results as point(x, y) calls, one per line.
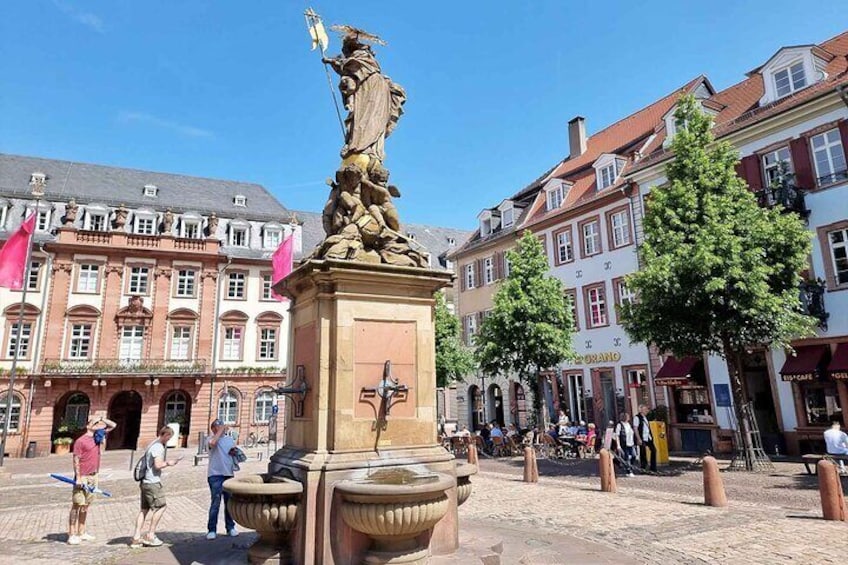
point(692, 404)
point(821, 403)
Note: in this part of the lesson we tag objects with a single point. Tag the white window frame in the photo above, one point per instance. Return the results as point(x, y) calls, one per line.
point(553, 198)
point(625, 295)
point(607, 175)
point(4, 212)
point(488, 270)
point(506, 266)
point(270, 242)
point(15, 419)
point(268, 344)
point(21, 342)
point(150, 191)
point(180, 343)
point(79, 346)
point(149, 220)
point(87, 274)
point(186, 282)
point(565, 249)
point(95, 217)
point(599, 300)
point(840, 276)
point(34, 276)
point(267, 284)
point(470, 326)
point(132, 344)
point(507, 217)
point(236, 285)
point(263, 406)
point(189, 225)
point(139, 283)
point(228, 405)
point(42, 219)
point(788, 69)
point(771, 163)
point(231, 349)
point(240, 200)
point(830, 148)
point(469, 276)
point(245, 231)
point(620, 231)
point(594, 236)
point(485, 226)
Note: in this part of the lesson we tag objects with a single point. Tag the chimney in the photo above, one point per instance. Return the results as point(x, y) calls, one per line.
point(577, 136)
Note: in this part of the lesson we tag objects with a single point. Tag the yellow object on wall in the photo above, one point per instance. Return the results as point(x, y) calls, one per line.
point(660, 433)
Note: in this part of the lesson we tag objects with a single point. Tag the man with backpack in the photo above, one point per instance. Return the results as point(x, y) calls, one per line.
point(645, 439)
point(221, 467)
point(86, 466)
point(148, 472)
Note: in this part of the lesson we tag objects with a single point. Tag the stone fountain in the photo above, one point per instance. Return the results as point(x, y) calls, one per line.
point(361, 443)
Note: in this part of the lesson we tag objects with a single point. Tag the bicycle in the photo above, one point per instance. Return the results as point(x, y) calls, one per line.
point(253, 439)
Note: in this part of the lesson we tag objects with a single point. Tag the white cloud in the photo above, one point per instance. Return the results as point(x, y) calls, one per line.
point(182, 129)
point(89, 20)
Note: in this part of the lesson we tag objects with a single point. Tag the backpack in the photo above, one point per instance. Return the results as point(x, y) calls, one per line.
point(140, 469)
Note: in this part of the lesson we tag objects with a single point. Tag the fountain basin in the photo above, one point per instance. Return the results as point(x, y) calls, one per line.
point(269, 505)
point(463, 481)
point(393, 507)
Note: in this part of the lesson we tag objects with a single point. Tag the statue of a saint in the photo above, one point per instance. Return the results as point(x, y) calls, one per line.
point(167, 221)
point(71, 209)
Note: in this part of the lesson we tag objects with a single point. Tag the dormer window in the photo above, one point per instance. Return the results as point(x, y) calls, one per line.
point(96, 218)
point(4, 212)
point(790, 79)
point(508, 217)
point(607, 176)
point(272, 237)
point(410, 236)
point(239, 233)
point(190, 226)
point(151, 191)
point(451, 241)
point(608, 167)
point(240, 200)
point(554, 198)
point(144, 223)
point(486, 226)
point(42, 222)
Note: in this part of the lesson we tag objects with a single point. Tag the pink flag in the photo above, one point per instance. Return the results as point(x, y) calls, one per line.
point(282, 263)
point(13, 256)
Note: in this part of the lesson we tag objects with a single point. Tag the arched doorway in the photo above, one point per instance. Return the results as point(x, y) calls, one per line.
point(495, 404)
point(518, 406)
point(475, 407)
point(71, 411)
point(176, 408)
point(125, 411)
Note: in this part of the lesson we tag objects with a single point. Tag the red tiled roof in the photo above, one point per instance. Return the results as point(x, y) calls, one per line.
point(741, 101)
point(623, 138)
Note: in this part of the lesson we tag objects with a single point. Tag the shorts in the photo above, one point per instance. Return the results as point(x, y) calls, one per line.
point(81, 496)
point(152, 496)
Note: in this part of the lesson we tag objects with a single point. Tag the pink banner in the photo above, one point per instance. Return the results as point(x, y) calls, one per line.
point(282, 262)
point(13, 256)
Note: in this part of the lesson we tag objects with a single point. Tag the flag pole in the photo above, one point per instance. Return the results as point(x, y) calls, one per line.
point(312, 20)
point(8, 416)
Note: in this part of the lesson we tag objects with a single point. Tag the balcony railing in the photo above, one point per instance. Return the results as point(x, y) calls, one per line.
point(123, 366)
point(832, 178)
point(811, 295)
point(788, 197)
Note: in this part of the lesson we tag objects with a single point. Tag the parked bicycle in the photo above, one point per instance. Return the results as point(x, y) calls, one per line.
point(254, 439)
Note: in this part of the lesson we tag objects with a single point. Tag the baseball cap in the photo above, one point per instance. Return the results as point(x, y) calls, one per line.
point(217, 422)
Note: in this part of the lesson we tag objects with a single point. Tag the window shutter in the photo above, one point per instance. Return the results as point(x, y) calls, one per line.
point(751, 171)
point(463, 286)
point(479, 320)
point(803, 167)
point(843, 133)
point(478, 274)
point(464, 329)
point(497, 265)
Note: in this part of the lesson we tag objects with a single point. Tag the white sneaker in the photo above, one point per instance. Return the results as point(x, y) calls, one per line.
point(73, 540)
point(87, 537)
point(211, 535)
point(630, 475)
point(232, 533)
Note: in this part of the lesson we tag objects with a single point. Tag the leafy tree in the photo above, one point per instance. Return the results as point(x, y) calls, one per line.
point(530, 326)
point(453, 359)
point(719, 273)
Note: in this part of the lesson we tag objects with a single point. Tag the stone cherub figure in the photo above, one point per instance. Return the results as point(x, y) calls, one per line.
point(360, 219)
point(121, 217)
point(71, 209)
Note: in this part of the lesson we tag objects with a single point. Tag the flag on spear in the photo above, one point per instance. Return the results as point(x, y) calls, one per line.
point(317, 31)
point(13, 256)
point(282, 262)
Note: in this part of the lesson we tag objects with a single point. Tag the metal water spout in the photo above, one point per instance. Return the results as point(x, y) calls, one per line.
point(388, 388)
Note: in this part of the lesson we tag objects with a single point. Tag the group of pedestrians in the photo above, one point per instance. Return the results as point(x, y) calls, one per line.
point(632, 436)
point(223, 462)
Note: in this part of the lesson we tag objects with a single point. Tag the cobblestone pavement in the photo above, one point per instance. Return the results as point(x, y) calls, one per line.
point(651, 520)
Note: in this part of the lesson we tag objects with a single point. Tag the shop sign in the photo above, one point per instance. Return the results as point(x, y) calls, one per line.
point(722, 395)
point(594, 358)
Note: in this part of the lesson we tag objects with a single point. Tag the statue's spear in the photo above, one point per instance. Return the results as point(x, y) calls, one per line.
point(320, 39)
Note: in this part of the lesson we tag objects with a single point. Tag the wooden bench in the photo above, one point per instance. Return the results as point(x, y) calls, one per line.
point(814, 458)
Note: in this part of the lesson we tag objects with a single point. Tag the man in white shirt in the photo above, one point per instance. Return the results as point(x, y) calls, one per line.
point(220, 469)
point(152, 490)
point(837, 442)
point(645, 439)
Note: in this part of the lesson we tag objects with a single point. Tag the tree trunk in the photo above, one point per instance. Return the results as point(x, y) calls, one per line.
point(746, 448)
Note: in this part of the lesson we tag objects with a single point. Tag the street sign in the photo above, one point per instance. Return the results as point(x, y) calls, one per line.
point(275, 409)
point(722, 395)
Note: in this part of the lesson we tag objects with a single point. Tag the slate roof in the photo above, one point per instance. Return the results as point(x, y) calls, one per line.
point(435, 239)
point(113, 186)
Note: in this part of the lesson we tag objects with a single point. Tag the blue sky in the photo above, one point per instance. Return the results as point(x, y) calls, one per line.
point(230, 89)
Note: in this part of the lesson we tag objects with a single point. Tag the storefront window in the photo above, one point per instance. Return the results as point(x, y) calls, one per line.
point(692, 405)
point(821, 402)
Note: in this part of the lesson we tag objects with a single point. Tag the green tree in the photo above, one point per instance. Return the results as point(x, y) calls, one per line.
point(453, 359)
point(529, 328)
point(719, 273)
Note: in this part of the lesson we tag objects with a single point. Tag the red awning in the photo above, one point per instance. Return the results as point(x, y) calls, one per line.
point(676, 372)
point(838, 367)
point(804, 365)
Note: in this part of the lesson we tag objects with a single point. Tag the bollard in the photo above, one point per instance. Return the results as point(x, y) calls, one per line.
point(713, 486)
point(830, 489)
point(531, 471)
point(607, 472)
point(472, 453)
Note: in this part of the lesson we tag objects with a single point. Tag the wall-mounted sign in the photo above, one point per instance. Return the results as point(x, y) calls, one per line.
point(595, 358)
point(722, 395)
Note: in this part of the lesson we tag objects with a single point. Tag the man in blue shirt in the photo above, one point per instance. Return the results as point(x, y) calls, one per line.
point(221, 468)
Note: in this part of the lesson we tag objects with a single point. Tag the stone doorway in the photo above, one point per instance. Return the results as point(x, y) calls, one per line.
point(496, 409)
point(125, 411)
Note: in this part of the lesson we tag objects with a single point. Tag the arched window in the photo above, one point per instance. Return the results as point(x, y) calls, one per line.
point(228, 408)
point(15, 421)
point(264, 406)
point(175, 407)
point(76, 410)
